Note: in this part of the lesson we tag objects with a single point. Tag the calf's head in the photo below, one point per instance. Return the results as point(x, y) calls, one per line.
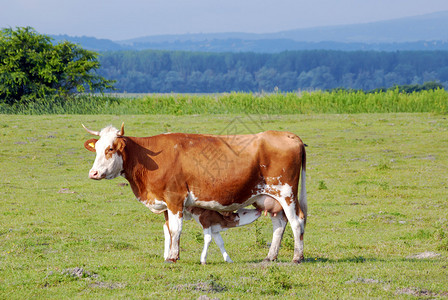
point(109, 150)
point(247, 216)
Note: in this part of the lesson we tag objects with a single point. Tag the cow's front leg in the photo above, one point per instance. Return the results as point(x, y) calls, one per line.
point(166, 233)
point(175, 229)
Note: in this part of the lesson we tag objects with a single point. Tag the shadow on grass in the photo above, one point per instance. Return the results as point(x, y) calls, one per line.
point(354, 259)
point(357, 259)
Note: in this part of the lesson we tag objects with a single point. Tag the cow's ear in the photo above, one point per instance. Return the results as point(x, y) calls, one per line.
point(119, 144)
point(90, 144)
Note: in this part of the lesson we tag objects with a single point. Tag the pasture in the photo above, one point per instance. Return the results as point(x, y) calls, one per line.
point(377, 202)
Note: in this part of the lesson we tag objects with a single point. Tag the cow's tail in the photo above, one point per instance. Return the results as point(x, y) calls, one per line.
point(302, 198)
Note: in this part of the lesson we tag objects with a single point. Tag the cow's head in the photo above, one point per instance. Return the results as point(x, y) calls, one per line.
point(109, 149)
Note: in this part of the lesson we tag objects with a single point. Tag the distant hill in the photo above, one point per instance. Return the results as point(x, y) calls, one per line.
point(91, 43)
point(425, 32)
point(427, 27)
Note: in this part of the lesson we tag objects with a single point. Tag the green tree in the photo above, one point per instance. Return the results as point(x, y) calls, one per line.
point(33, 69)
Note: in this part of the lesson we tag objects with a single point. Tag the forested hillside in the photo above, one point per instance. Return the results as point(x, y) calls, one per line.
point(200, 72)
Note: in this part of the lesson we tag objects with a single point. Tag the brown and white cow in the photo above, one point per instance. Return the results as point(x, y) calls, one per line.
point(172, 172)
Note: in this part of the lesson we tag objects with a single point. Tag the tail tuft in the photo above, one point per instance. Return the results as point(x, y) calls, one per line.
point(302, 200)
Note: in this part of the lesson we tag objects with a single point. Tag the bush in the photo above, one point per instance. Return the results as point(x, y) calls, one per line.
point(34, 70)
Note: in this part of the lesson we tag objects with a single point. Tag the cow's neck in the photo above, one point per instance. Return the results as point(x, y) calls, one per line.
point(137, 163)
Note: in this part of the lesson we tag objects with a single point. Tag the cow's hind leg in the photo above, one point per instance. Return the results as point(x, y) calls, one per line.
point(278, 227)
point(298, 227)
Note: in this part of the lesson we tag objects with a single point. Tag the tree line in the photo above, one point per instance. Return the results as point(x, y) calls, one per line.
point(160, 71)
point(33, 69)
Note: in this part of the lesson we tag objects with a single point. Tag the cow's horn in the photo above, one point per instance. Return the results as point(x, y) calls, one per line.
point(121, 133)
point(91, 131)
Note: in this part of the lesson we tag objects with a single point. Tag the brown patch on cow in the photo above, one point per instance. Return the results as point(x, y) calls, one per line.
point(176, 209)
point(117, 147)
point(167, 223)
point(109, 152)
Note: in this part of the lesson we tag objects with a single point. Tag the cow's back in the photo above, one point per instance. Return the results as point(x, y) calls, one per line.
point(225, 170)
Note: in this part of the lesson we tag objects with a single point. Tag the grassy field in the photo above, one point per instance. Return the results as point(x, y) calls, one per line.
point(377, 201)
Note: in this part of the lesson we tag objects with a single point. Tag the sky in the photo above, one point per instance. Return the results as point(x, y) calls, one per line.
point(121, 20)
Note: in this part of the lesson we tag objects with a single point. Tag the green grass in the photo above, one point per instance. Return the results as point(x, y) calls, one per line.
point(435, 101)
point(377, 196)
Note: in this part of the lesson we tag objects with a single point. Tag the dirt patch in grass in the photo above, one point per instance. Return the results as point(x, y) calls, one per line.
point(419, 292)
point(84, 274)
point(79, 273)
point(363, 280)
point(108, 285)
point(66, 191)
point(208, 287)
point(205, 297)
point(424, 255)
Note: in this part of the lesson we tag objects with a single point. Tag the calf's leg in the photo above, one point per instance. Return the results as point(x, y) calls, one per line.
point(220, 242)
point(207, 241)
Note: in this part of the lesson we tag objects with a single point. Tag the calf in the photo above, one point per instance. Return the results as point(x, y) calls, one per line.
point(213, 223)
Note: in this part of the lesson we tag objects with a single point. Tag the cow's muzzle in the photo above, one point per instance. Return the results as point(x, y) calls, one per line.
point(93, 174)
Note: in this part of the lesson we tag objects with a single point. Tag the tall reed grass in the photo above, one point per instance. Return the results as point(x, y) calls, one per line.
point(338, 102)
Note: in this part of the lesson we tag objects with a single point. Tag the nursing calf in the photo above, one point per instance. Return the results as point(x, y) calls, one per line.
point(213, 223)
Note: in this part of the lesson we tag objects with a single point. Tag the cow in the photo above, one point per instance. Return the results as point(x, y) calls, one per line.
point(172, 172)
point(213, 223)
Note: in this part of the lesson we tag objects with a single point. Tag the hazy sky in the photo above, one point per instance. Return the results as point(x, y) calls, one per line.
point(124, 19)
